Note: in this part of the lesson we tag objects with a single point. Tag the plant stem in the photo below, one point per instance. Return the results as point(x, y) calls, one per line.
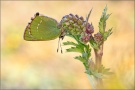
point(92, 82)
point(98, 62)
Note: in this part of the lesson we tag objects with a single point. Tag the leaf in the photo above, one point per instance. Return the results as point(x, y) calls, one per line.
point(105, 70)
point(97, 75)
point(107, 16)
point(80, 58)
point(102, 22)
point(74, 49)
point(85, 55)
point(107, 34)
point(69, 43)
point(93, 44)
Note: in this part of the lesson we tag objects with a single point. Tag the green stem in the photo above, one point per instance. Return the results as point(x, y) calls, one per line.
point(92, 82)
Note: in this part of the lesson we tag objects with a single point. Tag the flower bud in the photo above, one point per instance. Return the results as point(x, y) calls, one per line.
point(84, 29)
point(79, 21)
point(70, 27)
point(74, 18)
point(70, 17)
point(77, 16)
point(77, 29)
point(75, 25)
point(65, 19)
point(71, 14)
point(71, 21)
point(85, 37)
point(82, 26)
point(89, 28)
point(98, 38)
point(66, 16)
point(66, 23)
point(82, 18)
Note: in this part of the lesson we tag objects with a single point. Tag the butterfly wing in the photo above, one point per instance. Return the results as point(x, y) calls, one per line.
point(41, 28)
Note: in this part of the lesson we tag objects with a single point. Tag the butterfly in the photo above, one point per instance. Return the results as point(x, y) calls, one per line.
point(43, 28)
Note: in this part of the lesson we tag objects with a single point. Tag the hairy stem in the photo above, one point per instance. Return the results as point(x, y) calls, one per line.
point(98, 62)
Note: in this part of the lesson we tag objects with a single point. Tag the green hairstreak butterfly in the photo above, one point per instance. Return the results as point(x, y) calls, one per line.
point(42, 28)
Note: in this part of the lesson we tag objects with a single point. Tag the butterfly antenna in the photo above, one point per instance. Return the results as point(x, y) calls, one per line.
point(58, 45)
point(61, 47)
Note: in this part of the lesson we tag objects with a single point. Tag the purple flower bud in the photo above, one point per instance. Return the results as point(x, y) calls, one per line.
point(85, 37)
point(70, 17)
point(77, 16)
point(89, 28)
point(71, 14)
point(82, 18)
point(98, 37)
point(66, 16)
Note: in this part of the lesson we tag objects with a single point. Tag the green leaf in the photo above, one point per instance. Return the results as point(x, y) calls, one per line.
point(80, 58)
point(69, 43)
point(105, 70)
point(107, 16)
point(74, 49)
point(94, 44)
point(88, 72)
point(85, 55)
point(102, 23)
point(97, 75)
point(107, 34)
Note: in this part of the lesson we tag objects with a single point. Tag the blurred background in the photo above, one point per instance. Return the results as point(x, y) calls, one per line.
point(37, 65)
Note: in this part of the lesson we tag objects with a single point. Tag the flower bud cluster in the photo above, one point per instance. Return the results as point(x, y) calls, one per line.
point(76, 25)
point(72, 23)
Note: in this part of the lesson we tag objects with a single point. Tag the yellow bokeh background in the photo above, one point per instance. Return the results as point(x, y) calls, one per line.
point(36, 64)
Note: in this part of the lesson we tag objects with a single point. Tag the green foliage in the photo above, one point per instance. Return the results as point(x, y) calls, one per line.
point(70, 43)
point(102, 25)
point(80, 58)
point(96, 74)
point(105, 70)
point(94, 44)
point(75, 49)
point(107, 34)
point(84, 49)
